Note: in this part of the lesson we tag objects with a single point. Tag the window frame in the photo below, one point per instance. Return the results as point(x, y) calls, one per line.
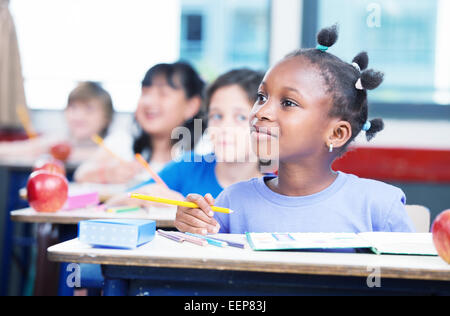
point(401, 110)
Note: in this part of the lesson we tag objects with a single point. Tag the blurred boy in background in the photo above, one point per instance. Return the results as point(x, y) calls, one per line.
point(89, 111)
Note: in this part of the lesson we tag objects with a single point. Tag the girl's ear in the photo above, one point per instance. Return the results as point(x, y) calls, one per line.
point(340, 133)
point(193, 107)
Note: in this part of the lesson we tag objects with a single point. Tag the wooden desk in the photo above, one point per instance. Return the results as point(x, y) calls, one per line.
point(105, 191)
point(164, 267)
point(47, 278)
point(164, 216)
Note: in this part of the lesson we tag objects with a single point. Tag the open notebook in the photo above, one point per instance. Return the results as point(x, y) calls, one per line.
point(378, 242)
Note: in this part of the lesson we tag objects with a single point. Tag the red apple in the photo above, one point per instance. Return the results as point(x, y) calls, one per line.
point(50, 164)
point(441, 235)
point(47, 191)
point(61, 151)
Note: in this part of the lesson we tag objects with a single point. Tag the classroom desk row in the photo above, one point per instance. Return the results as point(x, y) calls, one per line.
point(61, 226)
point(51, 227)
point(105, 191)
point(163, 216)
point(14, 174)
point(165, 267)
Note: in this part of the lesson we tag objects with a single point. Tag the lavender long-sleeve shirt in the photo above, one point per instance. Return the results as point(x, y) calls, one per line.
point(349, 204)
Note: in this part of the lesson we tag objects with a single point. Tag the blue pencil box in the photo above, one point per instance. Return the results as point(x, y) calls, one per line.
point(116, 233)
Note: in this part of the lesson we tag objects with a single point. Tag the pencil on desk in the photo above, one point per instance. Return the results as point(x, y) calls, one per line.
point(153, 174)
point(210, 241)
point(191, 239)
point(230, 243)
point(99, 141)
point(170, 236)
point(177, 203)
point(123, 209)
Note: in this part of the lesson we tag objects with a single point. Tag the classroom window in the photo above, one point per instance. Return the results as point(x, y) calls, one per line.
point(191, 41)
point(194, 28)
point(113, 42)
point(407, 39)
point(219, 35)
point(63, 42)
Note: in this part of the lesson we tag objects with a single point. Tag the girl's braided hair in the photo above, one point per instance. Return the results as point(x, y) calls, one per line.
point(349, 99)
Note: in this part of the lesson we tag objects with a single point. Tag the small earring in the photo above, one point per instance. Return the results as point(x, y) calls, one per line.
point(331, 148)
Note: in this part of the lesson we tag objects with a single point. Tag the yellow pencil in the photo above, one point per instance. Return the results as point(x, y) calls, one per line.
point(99, 141)
point(177, 203)
point(24, 118)
point(154, 175)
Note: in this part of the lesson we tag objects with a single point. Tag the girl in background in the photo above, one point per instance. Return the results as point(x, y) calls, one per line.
point(171, 96)
point(228, 102)
point(89, 111)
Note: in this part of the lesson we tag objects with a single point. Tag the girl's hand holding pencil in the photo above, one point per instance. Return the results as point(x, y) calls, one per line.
point(194, 215)
point(197, 220)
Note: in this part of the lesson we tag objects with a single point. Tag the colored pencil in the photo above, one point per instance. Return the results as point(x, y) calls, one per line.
point(24, 118)
point(192, 239)
point(153, 174)
point(99, 141)
point(210, 241)
point(178, 203)
point(123, 209)
point(170, 236)
point(230, 243)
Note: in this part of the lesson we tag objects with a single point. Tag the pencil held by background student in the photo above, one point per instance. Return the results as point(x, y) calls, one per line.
point(25, 120)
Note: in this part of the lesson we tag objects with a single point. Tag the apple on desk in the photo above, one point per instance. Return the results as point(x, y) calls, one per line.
point(61, 151)
point(47, 191)
point(441, 235)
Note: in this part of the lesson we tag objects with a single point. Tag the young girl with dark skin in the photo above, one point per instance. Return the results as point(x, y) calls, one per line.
point(312, 105)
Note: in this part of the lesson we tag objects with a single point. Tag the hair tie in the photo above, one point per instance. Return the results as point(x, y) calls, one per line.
point(358, 84)
point(356, 66)
point(367, 125)
point(322, 48)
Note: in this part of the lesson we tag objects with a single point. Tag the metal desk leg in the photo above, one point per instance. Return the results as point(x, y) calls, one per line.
point(46, 281)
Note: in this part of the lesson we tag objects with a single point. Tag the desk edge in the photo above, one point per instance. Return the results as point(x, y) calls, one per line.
point(273, 267)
